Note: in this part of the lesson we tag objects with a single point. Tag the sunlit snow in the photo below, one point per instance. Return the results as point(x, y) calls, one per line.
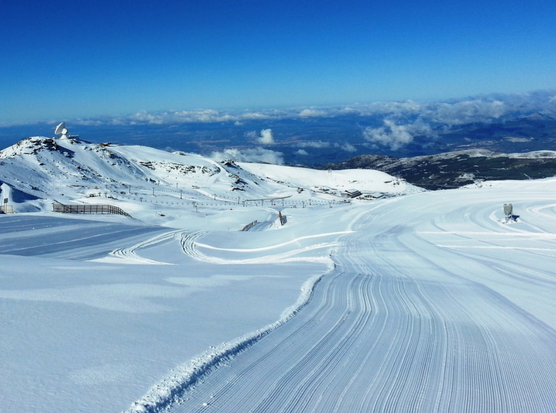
point(400, 300)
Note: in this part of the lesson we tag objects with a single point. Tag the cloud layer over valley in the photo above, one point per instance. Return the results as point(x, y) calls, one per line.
point(484, 108)
point(318, 135)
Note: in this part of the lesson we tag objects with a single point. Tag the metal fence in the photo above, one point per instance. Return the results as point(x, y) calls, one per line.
point(7, 209)
point(89, 209)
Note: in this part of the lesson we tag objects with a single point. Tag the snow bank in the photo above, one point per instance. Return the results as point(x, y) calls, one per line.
point(187, 375)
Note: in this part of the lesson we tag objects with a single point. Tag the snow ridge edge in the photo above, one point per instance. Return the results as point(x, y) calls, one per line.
point(170, 389)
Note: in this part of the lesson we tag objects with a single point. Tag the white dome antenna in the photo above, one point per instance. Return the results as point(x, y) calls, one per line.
point(62, 130)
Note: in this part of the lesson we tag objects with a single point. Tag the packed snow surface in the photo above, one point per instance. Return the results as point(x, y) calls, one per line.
point(414, 302)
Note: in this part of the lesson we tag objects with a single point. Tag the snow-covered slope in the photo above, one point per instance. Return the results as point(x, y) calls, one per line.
point(427, 302)
point(366, 181)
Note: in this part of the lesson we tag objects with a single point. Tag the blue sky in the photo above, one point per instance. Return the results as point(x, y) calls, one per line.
point(67, 59)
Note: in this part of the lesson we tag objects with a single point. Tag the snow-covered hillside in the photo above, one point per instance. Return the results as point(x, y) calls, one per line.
point(47, 170)
point(403, 300)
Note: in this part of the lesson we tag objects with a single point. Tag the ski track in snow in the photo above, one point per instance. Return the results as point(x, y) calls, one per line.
point(275, 245)
point(189, 245)
point(392, 329)
point(184, 377)
point(129, 255)
point(188, 241)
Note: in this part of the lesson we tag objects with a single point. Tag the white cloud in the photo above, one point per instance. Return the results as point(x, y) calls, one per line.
point(348, 147)
point(486, 108)
point(313, 144)
point(146, 117)
point(88, 122)
point(266, 137)
point(467, 111)
point(183, 116)
point(307, 113)
point(252, 116)
point(396, 136)
point(302, 152)
point(250, 155)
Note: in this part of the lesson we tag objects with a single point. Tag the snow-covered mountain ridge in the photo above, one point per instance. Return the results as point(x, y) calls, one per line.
point(67, 170)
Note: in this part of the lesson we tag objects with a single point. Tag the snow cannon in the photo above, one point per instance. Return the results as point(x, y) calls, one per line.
point(508, 212)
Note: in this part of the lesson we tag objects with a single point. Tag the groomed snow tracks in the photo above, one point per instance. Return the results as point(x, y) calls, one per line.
point(391, 332)
point(188, 240)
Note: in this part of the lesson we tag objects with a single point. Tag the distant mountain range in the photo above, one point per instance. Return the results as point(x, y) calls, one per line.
point(318, 141)
point(443, 156)
point(458, 168)
point(525, 134)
